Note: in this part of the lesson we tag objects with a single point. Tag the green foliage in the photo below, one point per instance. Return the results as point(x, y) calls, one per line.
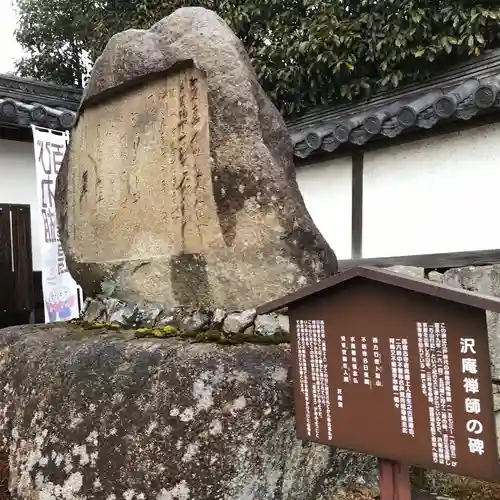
point(305, 52)
point(53, 34)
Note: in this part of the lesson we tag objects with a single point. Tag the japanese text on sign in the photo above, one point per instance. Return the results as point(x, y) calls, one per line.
point(400, 366)
point(356, 361)
point(436, 386)
point(311, 345)
point(472, 402)
point(434, 407)
point(49, 155)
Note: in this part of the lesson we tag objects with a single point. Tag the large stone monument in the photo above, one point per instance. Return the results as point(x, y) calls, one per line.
point(179, 185)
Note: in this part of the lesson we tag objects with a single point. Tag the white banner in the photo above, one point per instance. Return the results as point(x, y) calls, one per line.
point(60, 291)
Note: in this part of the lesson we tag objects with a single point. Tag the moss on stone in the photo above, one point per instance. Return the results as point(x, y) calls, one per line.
point(164, 331)
point(264, 340)
point(97, 325)
point(209, 336)
point(213, 336)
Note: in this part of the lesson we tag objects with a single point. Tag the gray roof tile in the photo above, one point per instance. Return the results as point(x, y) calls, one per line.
point(24, 102)
point(465, 90)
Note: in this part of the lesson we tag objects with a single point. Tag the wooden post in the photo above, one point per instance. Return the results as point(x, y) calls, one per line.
point(394, 480)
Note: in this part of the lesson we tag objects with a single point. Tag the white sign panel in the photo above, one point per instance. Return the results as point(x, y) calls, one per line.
point(60, 291)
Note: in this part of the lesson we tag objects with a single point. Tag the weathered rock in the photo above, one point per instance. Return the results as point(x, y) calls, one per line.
point(161, 198)
point(126, 315)
point(94, 309)
point(237, 322)
point(269, 324)
point(100, 416)
point(435, 276)
point(484, 280)
point(249, 331)
point(149, 314)
point(170, 317)
point(284, 322)
point(195, 322)
point(112, 306)
point(414, 272)
point(218, 318)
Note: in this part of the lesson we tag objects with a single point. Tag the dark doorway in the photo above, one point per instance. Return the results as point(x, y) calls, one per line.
point(16, 266)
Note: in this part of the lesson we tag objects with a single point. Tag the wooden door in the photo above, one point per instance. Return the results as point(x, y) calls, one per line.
point(16, 265)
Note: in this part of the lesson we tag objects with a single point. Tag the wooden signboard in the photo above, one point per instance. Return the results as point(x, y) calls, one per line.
point(395, 367)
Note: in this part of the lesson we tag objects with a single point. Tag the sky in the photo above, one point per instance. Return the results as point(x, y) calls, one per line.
point(10, 50)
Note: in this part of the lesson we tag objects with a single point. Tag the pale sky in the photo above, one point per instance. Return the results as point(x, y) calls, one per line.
point(9, 49)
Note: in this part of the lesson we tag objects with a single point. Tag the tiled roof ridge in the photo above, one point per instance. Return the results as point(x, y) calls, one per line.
point(461, 92)
point(24, 101)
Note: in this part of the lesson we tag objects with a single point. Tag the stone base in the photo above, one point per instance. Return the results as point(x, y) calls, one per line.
point(105, 416)
point(151, 319)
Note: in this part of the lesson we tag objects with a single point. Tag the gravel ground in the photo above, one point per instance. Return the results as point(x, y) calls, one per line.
point(458, 489)
point(4, 476)
point(455, 489)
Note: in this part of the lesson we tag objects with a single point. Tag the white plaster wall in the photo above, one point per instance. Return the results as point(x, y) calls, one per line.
point(326, 188)
point(433, 196)
point(18, 185)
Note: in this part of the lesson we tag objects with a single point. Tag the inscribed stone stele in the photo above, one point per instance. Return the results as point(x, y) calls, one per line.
point(179, 184)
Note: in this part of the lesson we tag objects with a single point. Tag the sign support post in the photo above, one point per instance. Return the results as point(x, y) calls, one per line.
point(394, 480)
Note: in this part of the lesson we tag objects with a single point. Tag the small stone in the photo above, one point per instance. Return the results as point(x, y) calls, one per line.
point(249, 331)
point(169, 317)
point(236, 322)
point(149, 314)
point(415, 272)
point(195, 322)
point(284, 322)
point(267, 325)
point(218, 318)
point(112, 305)
point(93, 311)
point(125, 316)
point(436, 277)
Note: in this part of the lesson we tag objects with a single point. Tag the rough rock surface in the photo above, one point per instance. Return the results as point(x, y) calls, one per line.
point(180, 188)
point(237, 322)
point(106, 416)
point(485, 280)
point(415, 272)
point(271, 324)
